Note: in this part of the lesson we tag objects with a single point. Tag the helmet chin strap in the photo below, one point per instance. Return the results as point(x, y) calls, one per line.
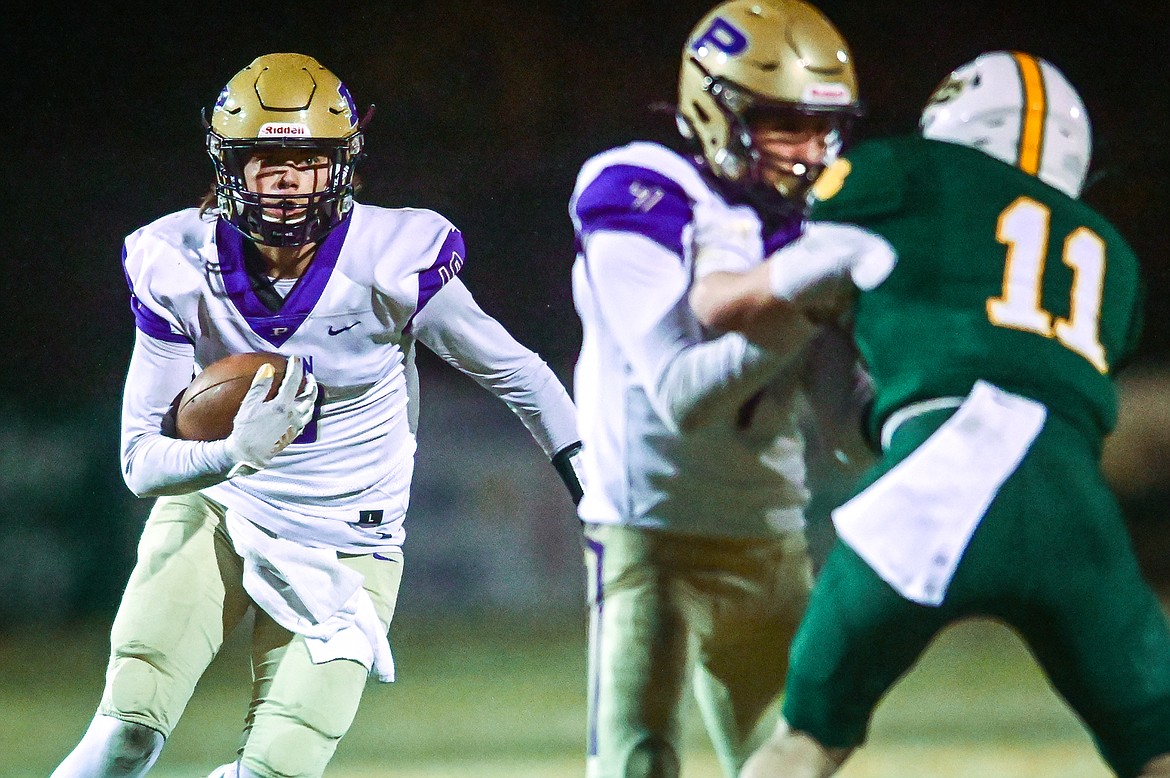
point(733, 171)
point(773, 208)
point(750, 188)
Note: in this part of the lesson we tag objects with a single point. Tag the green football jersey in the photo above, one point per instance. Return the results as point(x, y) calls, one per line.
point(998, 277)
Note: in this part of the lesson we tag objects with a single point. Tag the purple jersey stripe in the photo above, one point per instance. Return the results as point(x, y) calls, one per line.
point(154, 325)
point(448, 262)
point(147, 320)
point(276, 328)
point(629, 198)
point(784, 234)
point(595, 638)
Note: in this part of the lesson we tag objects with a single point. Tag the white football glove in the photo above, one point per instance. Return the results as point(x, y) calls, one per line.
point(262, 429)
point(725, 238)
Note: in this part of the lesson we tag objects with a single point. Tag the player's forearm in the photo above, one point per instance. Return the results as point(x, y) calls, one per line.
point(743, 302)
point(640, 289)
point(537, 397)
point(476, 344)
point(535, 394)
point(154, 465)
point(709, 381)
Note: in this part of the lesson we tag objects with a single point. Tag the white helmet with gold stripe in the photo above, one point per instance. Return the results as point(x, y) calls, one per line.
point(1019, 109)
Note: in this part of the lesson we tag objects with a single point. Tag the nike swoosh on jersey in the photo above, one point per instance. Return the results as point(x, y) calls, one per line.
point(343, 329)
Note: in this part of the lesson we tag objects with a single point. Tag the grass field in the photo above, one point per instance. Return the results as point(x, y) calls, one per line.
point(501, 699)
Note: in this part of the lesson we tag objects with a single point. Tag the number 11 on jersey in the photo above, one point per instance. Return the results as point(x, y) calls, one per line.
point(1024, 228)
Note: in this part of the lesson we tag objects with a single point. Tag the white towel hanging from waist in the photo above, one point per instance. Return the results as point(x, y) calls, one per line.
point(310, 592)
point(913, 524)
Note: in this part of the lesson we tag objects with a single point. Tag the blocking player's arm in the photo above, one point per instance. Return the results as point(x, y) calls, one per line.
point(641, 289)
point(462, 334)
point(722, 245)
point(152, 463)
point(731, 301)
point(812, 276)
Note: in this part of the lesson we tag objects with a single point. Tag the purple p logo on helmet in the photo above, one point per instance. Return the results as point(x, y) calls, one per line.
point(223, 96)
point(723, 36)
point(345, 95)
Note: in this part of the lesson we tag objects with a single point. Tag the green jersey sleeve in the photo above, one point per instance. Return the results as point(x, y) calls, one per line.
point(865, 184)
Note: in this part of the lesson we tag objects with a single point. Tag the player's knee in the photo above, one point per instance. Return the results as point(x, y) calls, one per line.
point(133, 747)
point(652, 757)
point(134, 691)
point(797, 754)
point(114, 748)
point(133, 685)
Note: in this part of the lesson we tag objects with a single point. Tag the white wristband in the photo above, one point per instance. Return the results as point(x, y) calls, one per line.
point(795, 269)
point(830, 252)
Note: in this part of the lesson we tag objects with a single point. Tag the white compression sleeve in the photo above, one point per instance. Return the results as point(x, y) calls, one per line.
point(641, 289)
point(153, 464)
point(458, 330)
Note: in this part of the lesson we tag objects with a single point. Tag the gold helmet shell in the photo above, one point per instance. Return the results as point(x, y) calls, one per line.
point(291, 101)
point(284, 95)
point(755, 55)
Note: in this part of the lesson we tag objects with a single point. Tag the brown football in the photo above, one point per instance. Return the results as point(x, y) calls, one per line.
point(208, 406)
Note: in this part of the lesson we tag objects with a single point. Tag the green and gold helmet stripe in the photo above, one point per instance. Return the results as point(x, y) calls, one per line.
point(1034, 112)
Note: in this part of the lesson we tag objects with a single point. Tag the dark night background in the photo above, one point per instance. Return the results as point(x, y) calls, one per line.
point(485, 111)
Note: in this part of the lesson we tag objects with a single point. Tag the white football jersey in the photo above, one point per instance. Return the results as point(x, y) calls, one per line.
point(644, 355)
point(353, 315)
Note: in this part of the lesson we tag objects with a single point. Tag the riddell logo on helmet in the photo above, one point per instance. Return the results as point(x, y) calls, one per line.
point(826, 94)
point(284, 130)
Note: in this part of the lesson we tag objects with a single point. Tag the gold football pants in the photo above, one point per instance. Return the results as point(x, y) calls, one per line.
point(184, 596)
point(670, 612)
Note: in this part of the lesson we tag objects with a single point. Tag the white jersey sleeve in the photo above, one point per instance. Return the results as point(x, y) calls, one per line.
point(471, 341)
point(153, 464)
point(161, 365)
point(640, 289)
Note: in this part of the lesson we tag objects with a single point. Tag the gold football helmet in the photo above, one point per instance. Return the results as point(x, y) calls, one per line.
point(751, 58)
point(289, 101)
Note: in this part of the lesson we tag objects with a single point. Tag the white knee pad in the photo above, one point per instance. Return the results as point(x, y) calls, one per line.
point(112, 747)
